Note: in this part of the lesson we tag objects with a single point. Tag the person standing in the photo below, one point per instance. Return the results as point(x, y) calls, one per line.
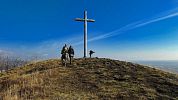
point(91, 52)
point(64, 49)
point(71, 53)
point(64, 56)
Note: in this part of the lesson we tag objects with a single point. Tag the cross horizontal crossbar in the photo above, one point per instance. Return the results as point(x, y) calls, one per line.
point(81, 19)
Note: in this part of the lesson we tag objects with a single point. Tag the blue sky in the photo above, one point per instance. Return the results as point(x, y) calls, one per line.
point(124, 29)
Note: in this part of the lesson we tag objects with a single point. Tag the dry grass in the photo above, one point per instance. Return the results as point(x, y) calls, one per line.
point(89, 79)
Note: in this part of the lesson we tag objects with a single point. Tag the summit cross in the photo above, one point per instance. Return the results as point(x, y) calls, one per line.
point(85, 20)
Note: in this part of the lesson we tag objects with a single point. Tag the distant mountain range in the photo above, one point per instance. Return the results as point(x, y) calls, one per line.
point(167, 65)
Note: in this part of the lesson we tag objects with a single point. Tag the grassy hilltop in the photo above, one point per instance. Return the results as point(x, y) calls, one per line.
point(101, 79)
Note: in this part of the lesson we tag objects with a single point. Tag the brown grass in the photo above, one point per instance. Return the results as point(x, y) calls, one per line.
point(86, 80)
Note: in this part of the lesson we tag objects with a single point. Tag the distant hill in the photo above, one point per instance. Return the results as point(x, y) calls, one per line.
point(87, 79)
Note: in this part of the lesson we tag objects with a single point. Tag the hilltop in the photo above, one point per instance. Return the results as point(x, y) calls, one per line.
point(86, 79)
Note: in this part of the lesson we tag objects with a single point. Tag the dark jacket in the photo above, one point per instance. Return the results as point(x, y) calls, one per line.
point(71, 51)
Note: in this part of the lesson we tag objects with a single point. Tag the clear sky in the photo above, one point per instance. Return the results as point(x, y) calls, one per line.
point(124, 29)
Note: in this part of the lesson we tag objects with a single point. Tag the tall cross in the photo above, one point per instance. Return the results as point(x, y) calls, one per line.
point(85, 20)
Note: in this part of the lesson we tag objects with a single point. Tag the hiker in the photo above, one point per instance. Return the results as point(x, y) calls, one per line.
point(64, 49)
point(64, 56)
point(91, 52)
point(71, 53)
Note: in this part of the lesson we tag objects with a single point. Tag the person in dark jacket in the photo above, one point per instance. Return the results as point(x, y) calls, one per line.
point(91, 52)
point(64, 56)
point(64, 49)
point(71, 53)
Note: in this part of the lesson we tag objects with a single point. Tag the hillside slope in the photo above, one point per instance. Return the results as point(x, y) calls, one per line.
point(87, 79)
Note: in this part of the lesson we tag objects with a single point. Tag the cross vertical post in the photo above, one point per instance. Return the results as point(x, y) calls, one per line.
point(85, 34)
point(85, 20)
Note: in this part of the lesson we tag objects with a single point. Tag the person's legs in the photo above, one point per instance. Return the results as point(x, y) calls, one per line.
point(70, 59)
point(64, 59)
